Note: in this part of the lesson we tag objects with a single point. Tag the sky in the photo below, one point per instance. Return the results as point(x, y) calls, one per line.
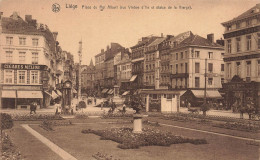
point(98, 27)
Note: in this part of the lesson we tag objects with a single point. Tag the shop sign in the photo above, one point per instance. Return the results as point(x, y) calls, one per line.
point(23, 66)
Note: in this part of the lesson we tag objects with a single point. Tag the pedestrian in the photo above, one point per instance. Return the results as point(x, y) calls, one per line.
point(102, 105)
point(95, 100)
point(33, 107)
point(124, 108)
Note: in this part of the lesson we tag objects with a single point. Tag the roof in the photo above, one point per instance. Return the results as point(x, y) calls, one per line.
point(145, 41)
point(156, 41)
point(251, 12)
point(11, 25)
point(198, 41)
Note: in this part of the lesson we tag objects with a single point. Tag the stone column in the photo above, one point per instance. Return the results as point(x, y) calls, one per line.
point(137, 123)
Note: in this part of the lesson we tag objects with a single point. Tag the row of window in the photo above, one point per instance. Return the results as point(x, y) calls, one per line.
point(238, 25)
point(22, 55)
point(22, 41)
point(150, 67)
point(150, 79)
point(238, 68)
point(239, 44)
point(9, 77)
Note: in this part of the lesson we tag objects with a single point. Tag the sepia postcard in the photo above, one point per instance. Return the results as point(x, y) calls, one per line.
point(130, 79)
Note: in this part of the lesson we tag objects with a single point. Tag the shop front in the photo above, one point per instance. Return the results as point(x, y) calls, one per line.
point(8, 99)
point(239, 92)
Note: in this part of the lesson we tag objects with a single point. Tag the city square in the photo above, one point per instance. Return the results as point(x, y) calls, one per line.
point(174, 94)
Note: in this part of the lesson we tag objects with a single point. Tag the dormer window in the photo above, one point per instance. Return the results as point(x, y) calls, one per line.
point(228, 28)
point(249, 22)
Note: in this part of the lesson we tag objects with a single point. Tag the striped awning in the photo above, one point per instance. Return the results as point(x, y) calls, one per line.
point(111, 91)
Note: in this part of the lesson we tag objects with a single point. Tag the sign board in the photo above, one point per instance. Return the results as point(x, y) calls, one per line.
point(23, 66)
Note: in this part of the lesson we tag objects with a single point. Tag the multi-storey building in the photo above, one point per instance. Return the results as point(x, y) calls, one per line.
point(137, 57)
point(87, 78)
point(28, 62)
point(105, 69)
point(100, 66)
point(124, 73)
point(242, 58)
point(152, 64)
point(191, 57)
point(165, 71)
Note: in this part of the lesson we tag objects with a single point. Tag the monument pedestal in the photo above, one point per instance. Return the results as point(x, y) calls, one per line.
point(137, 123)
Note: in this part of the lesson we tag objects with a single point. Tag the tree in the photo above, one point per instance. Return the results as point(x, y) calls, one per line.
point(136, 103)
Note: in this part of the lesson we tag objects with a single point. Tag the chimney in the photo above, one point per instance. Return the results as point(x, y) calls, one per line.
point(28, 18)
point(102, 50)
point(210, 37)
point(161, 34)
point(107, 47)
point(55, 34)
point(1, 13)
point(221, 42)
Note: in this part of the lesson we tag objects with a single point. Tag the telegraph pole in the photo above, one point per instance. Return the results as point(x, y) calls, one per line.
point(205, 89)
point(79, 75)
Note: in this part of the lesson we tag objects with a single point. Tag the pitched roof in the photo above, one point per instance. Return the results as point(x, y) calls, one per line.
point(253, 11)
point(198, 41)
point(156, 41)
point(17, 25)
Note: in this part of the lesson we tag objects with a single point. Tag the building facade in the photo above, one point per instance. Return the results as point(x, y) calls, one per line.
point(28, 62)
point(242, 58)
point(88, 79)
point(106, 69)
point(152, 64)
point(137, 59)
point(193, 57)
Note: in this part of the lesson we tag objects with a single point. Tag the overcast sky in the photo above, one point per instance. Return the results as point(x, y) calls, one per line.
point(98, 28)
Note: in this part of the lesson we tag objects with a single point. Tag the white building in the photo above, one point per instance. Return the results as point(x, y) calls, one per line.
point(28, 65)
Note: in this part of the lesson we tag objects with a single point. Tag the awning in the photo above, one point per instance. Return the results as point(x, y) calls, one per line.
point(74, 90)
point(47, 93)
point(159, 92)
point(125, 93)
point(133, 78)
point(54, 95)
point(209, 94)
point(111, 91)
point(104, 90)
point(58, 92)
point(29, 94)
point(8, 94)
